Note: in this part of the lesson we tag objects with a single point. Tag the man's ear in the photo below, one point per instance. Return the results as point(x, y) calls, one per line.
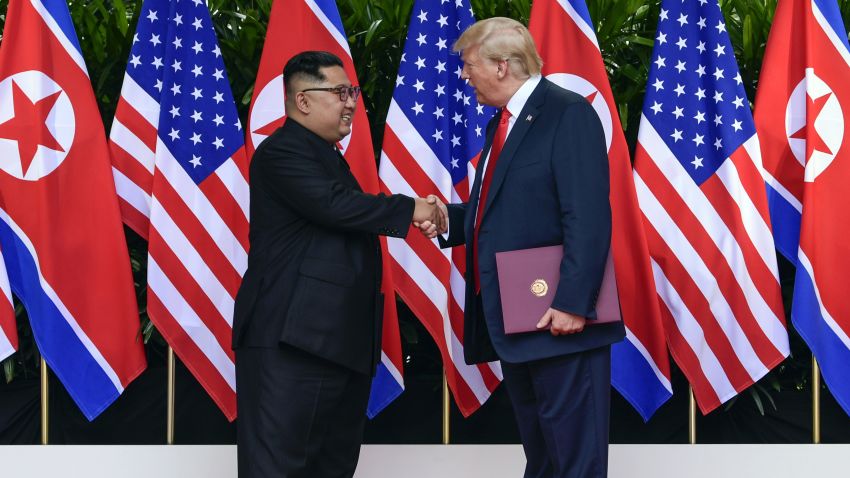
point(302, 103)
point(502, 68)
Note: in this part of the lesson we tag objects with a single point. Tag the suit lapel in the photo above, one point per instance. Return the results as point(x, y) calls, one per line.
point(469, 219)
point(338, 164)
point(325, 153)
point(521, 126)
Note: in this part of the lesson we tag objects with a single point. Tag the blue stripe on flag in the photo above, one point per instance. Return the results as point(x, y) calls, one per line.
point(833, 355)
point(785, 221)
point(58, 9)
point(330, 11)
point(581, 8)
point(385, 389)
point(635, 379)
point(82, 376)
point(830, 11)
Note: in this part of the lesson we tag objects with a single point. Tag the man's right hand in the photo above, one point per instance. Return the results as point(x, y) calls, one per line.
point(431, 216)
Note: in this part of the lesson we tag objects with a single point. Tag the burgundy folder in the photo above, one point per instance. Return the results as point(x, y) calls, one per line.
point(528, 279)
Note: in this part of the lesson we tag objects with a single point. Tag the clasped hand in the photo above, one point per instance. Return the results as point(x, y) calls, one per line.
point(561, 323)
point(431, 216)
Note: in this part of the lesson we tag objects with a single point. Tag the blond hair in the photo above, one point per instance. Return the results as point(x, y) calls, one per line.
point(501, 38)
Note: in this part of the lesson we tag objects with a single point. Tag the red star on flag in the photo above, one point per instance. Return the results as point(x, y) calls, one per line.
point(813, 142)
point(29, 125)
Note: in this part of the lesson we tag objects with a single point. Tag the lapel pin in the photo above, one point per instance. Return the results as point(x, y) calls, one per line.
point(529, 118)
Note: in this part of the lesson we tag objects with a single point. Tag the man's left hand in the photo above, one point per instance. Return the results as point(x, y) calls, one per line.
point(562, 323)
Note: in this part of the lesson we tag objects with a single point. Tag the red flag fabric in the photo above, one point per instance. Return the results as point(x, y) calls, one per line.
point(60, 229)
point(802, 115)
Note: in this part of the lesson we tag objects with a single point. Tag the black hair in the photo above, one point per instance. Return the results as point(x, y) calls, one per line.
point(307, 65)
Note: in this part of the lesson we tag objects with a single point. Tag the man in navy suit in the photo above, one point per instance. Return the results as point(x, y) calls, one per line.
point(542, 181)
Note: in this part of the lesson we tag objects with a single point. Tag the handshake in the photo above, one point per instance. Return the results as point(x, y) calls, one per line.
point(431, 216)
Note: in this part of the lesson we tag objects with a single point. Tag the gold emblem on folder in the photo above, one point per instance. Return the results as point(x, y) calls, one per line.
point(539, 287)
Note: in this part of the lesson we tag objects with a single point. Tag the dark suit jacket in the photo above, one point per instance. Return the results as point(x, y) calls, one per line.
point(314, 266)
point(550, 186)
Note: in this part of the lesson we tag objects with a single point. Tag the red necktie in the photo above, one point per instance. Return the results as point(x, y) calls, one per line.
point(498, 143)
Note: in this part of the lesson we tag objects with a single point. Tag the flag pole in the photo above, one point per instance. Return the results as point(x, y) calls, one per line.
point(815, 400)
point(44, 402)
point(692, 417)
point(446, 410)
point(169, 427)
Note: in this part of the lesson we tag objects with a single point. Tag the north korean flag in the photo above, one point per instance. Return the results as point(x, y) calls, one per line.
point(60, 231)
point(802, 113)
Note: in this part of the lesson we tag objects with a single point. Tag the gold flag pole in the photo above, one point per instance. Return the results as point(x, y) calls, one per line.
point(44, 402)
point(815, 400)
point(169, 399)
point(692, 417)
point(446, 409)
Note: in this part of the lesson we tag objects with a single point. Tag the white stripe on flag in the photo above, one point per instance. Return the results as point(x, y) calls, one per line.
point(774, 184)
point(140, 100)
point(830, 33)
point(6, 348)
point(827, 317)
point(391, 368)
point(757, 229)
point(199, 204)
point(717, 230)
point(5, 288)
point(638, 345)
point(132, 193)
point(419, 149)
point(230, 175)
point(435, 290)
point(694, 336)
point(66, 42)
point(189, 321)
point(701, 274)
point(6, 307)
point(127, 140)
point(194, 263)
point(60, 306)
point(582, 24)
point(754, 151)
point(332, 30)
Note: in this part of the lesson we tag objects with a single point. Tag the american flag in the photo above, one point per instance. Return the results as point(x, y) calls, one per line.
point(698, 175)
point(434, 134)
point(8, 331)
point(640, 365)
point(181, 174)
point(803, 126)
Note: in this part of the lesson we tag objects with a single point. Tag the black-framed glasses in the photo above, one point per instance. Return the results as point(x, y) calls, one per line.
point(343, 91)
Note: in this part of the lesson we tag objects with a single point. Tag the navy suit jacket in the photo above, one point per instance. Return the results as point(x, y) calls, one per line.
point(550, 186)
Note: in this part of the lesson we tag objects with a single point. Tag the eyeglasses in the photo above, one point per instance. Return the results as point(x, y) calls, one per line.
point(343, 91)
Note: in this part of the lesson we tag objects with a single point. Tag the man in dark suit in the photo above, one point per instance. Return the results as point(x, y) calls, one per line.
point(307, 321)
point(542, 181)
